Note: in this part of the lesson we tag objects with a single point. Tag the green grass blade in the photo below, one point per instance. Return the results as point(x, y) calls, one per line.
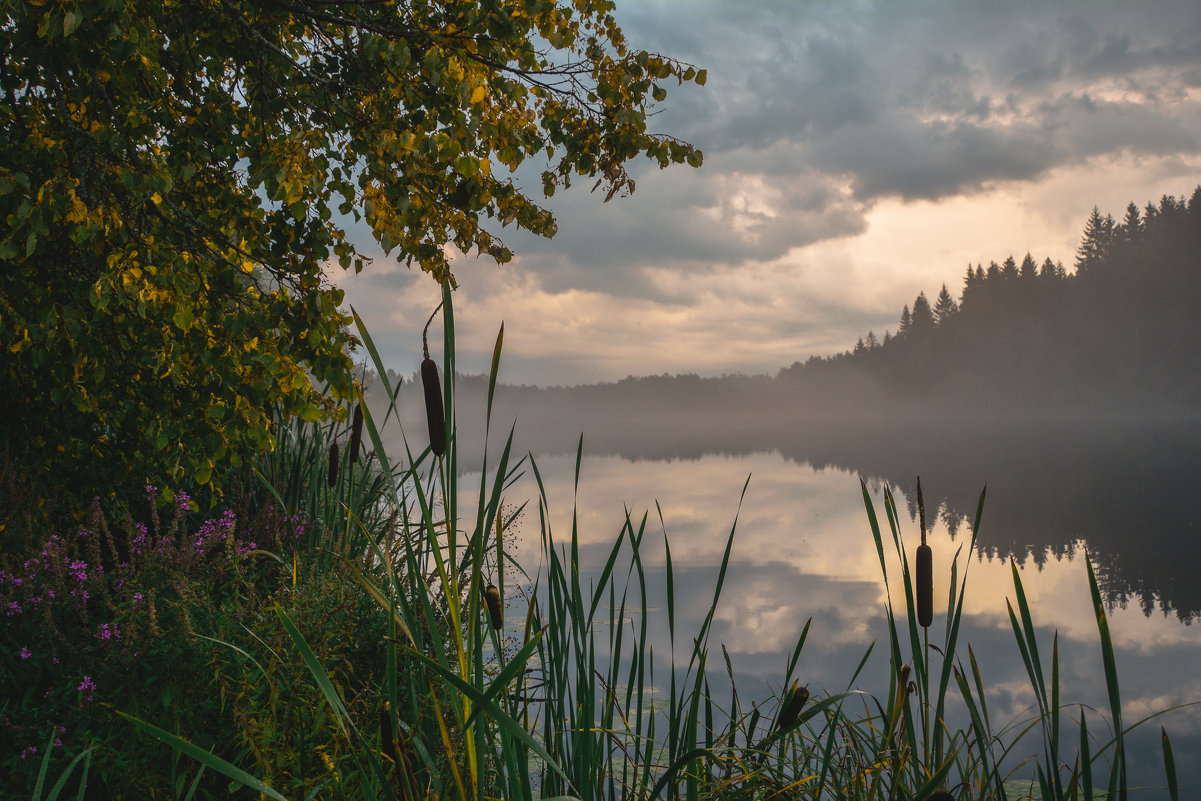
point(41, 780)
point(1169, 765)
point(512, 668)
point(332, 697)
point(1111, 679)
point(1086, 761)
point(59, 785)
point(205, 757)
point(494, 710)
point(500, 338)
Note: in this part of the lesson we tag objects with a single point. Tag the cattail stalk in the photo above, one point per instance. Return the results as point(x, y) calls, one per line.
point(793, 704)
point(356, 433)
point(434, 416)
point(925, 569)
point(492, 599)
point(332, 478)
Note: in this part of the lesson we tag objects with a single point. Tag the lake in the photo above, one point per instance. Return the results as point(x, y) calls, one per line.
point(1125, 493)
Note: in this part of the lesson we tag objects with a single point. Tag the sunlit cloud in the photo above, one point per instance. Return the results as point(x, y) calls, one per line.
point(855, 155)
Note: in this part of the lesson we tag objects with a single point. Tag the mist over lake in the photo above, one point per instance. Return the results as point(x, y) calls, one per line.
point(1119, 488)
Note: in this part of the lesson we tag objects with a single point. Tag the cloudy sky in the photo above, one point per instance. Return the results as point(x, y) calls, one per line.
point(855, 155)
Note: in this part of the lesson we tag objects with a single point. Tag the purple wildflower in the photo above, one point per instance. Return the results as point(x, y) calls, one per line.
point(79, 569)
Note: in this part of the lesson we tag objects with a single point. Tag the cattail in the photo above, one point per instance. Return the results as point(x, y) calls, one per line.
point(793, 704)
point(433, 393)
point(433, 406)
point(332, 478)
point(356, 433)
point(925, 569)
point(940, 795)
point(492, 599)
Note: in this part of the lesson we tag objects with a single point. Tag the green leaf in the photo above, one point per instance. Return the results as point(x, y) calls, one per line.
point(183, 318)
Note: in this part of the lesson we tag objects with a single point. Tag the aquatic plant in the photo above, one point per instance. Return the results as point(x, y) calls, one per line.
point(563, 701)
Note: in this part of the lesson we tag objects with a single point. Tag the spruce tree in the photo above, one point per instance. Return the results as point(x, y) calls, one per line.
point(922, 319)
point(1094, 244)
point(944, 307)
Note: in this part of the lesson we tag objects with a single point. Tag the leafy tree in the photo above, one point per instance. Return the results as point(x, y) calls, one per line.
point(176, 176)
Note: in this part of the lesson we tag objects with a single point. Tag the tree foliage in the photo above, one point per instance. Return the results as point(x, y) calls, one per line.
point(177, 175)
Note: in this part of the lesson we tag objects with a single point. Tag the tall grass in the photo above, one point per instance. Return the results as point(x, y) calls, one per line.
point(570, 698)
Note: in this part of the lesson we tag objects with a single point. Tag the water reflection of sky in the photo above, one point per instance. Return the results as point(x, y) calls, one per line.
point(803, 549)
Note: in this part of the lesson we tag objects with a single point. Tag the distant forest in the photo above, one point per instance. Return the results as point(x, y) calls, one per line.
point(1119, 334)
point(1122, 332)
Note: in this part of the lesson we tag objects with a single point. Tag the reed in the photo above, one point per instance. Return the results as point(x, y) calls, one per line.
point(434, 412)
point(356, 433)
point(570, 699)
point(924, 569)
point(332, 469)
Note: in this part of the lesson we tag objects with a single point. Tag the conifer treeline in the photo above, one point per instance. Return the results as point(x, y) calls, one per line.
point(1120, 331)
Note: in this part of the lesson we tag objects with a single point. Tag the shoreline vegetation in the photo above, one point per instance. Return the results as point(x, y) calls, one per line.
point(345, 630)
point(264, 601)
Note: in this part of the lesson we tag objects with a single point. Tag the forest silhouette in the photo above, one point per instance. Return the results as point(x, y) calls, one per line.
point(1119, 335)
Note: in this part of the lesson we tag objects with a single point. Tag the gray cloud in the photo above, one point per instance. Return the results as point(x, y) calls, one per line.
point(821, 123)
point(912, 101)
point(824, 109)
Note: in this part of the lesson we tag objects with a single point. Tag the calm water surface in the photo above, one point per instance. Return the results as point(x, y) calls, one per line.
point(803, 549)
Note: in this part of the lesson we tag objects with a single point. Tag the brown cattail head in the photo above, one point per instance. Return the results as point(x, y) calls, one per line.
point(925, 568)
point(492, 599)
point(332, 478)
point(794, 702)
point(356, 433)
point(433, 406)
point(925, 586)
